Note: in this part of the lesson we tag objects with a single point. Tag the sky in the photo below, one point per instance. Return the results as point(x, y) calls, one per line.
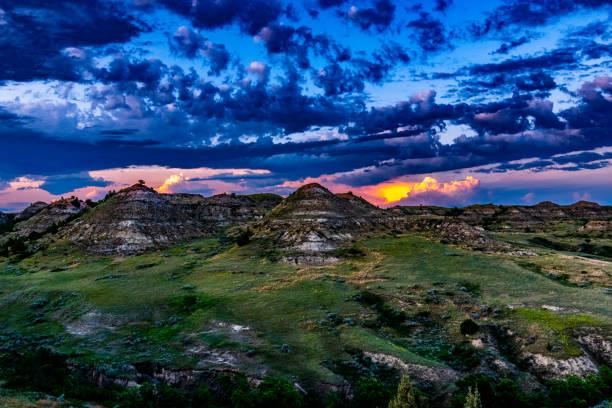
point(441, 102)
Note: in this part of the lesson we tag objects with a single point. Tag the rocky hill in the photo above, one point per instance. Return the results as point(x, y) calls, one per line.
point(312, 223)
point(37, 221)
point(513, 216)
point(138, 219)
point(30, 211)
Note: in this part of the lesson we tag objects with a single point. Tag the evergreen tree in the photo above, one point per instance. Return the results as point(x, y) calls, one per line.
point(472, 399)
point(405, 396)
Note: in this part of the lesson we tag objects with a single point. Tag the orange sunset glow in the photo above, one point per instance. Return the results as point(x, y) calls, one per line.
point(173, 179)
point(396, 192)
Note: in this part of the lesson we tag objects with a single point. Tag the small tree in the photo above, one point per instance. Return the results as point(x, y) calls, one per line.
point(472, 399)
point(405, 396)
point(141, 182)
point(244, 237)
point(370, 393)
point(468, 326)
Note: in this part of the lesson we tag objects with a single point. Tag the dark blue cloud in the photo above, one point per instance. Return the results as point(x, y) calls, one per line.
point(530, 13)
point(192, 44)
point(559, 58)
point(66, 183)
point(43, 39)
point(593, 113)
point(125, 71)
point(536, 81)
point(430, 33)
point(382, 61)
point(580, 161)
point(513, 43)
point(442, 5)
point(380, 16)
point(331, 3)
point(336, 81)
point(138, 108)
point(419, 111)
point(581, 158)
point(251, 15)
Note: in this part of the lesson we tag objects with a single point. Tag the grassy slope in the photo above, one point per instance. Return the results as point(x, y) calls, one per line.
point(281, 304)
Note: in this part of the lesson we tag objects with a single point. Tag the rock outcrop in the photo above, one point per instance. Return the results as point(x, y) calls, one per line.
point(449, 231)
point(547, 368)
point(312, 223)
point(598, 346)
point(597, 226)
point(40, 221)
point(138, 219)
point(24, 236)
point(30, 211)
point(513, 216)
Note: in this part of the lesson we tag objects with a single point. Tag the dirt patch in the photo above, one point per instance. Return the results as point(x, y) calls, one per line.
point(92, 322)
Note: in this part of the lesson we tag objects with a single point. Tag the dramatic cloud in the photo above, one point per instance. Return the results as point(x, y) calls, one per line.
point(45, 39)
point(192, 44)
point(430, 33)
point(352, 93)
point(507, 46)
point(442, 5)
point(531, 13)
point(62, 184)
point(250, 15)
point(379, 16)
point(400, 191)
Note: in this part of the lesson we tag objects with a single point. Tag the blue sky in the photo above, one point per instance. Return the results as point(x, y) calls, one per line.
point(507, 102)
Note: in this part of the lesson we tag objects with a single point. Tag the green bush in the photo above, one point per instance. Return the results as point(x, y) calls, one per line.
point(277, 393)
point(41, 369)
point(387, 316)
point(571, 392)
point(468, 326)
point(188, 304)
point(244, 237)
point(371, 393)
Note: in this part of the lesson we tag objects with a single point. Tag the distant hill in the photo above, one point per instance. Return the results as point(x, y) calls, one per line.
point(311, 225)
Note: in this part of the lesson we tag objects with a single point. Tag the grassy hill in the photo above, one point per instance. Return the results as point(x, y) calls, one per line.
point(393, 305)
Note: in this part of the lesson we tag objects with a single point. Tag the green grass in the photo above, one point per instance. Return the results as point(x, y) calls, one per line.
point(148, 311)
point(560, 324)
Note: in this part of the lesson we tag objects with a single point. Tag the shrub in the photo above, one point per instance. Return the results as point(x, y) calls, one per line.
point(334, 400)
point(387, 316)
point(188, 304)
point(472, 399)
point(150, 396)
point(470, 287)
point(277, 392)
point(571, 392)
point(468, 326)
point(244, 237)
point(36, 370)
point(406, 396)
point(202, 397)
point(234, 391)
point(371, 393)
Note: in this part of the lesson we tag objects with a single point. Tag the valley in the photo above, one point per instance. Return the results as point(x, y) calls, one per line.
point(318, 289)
